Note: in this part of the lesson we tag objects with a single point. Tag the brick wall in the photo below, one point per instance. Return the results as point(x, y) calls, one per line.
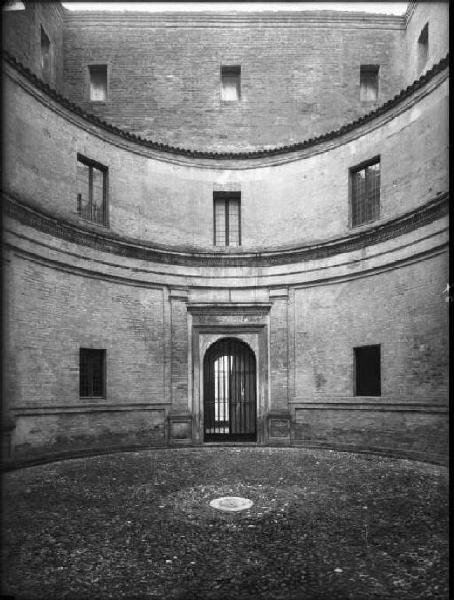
point(436, 15)
point(22, 37)
point(299, 73)
point(167, 202)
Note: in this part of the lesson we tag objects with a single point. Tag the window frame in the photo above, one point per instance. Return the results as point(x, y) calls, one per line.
point(46, 76)
point(103, 373)
point(375, 69)
point(94, 164)
point(233, 69)
point(356, 371)
point(351, 171)
point(88, 78)
point(226, 196)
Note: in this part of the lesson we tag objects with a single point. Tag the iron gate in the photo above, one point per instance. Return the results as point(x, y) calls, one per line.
point(229, 386)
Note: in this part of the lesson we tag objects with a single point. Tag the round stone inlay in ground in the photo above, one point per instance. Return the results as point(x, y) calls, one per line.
point(231, 504)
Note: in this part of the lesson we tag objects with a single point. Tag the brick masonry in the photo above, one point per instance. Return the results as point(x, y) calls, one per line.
point(302, 318)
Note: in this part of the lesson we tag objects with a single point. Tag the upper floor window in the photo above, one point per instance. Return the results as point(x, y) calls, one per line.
point(227, 219)
point(368, 83)
point(365, 192)
point(230, 83)
point(92, 376)
point(98, 83)
point(45, 56)
point(91, 190)
point(423, 47)
point(367, 370)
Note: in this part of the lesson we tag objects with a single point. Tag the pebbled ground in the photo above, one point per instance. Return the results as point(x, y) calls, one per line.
point(324, 526)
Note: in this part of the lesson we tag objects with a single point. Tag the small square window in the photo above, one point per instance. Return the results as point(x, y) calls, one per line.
point(365, 192)
point(423, 47)
point(227, 218)
point(367, 371)
point(98, 83)
point(92, 381)
point(368, 83)
point(45, 56)
point(91, 190)
point(230, 83)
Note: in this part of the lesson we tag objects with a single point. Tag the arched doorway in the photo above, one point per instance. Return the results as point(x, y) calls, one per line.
point(229, 392)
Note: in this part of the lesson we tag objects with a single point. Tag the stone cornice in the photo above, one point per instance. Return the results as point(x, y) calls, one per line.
point(338, 19)
point(134, 249)
point(307, 145)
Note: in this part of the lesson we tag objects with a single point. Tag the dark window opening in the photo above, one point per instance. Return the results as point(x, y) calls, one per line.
point(230, 83)
point(367, 371)
point(368, 83)
point(365, 193)
point(45, 56)
point(91, 190)
point(92, 373)
point(98, 83)
point(227, 218)
point(423, 47)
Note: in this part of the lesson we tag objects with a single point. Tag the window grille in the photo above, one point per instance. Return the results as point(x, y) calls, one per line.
point(91, 190)
point(45, 56)
point(365, 193)
point(227, 218)
point(230, 83)
point(368, 83)
point(98, 83)
point(92, 373)
point(367, 371)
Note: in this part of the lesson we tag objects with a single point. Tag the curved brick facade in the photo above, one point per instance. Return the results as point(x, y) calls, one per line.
point(304, 289)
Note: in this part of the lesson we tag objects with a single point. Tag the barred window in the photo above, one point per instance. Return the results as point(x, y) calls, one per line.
point(98, 83)
point(45, 56)
point(227, 221)
point(91, 190)
point(367, 371)
point(368, 76)
point(365, 192)
point(230, 83)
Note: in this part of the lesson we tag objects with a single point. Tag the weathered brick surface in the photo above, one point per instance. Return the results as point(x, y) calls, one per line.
point(298, 202)
point(298, 79)
point(22, 37)
point(436, 15)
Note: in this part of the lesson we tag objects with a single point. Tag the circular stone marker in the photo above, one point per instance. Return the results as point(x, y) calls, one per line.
point(231, 504)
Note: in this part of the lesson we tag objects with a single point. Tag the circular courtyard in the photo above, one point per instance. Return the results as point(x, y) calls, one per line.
point(307, 524)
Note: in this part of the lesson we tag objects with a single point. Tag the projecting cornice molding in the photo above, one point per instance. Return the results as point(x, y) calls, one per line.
point(390, 229)
point(324, 18)
point(304, 148)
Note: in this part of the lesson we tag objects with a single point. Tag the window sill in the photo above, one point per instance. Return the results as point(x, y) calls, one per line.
point(92, 398)
point(92, 222)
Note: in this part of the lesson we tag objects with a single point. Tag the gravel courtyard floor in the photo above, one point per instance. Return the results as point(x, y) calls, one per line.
point(324, 525)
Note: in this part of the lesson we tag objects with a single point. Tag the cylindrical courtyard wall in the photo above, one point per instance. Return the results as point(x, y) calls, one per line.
point(305, 287)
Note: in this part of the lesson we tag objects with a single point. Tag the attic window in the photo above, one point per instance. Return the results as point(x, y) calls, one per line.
point(423, 46)
point(45, 56)
point(98, 83)
point(368, 83)
point(230, 83)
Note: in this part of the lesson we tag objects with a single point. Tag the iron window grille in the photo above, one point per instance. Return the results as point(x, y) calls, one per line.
point(368, 76)
point(92, 191)
point(227, 218)
point(98, 83)
point(365, 192)
point(230, 83)
point(92, 364)
point(367, 370)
